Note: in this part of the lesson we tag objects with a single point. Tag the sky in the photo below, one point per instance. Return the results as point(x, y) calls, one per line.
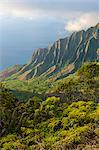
point(26, 25)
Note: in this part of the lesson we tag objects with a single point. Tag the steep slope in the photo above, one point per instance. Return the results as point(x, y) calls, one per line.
point(10, 71)
point(65, 55)
point(84, 83)
point(80, 47)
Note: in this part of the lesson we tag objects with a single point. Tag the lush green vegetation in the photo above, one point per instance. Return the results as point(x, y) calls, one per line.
point(38, 85)
point(65, 118)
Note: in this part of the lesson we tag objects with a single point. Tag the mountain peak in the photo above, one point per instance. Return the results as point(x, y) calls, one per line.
point(57, 59)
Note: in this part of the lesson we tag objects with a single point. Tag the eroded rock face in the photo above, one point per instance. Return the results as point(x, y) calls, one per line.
point(80, 47)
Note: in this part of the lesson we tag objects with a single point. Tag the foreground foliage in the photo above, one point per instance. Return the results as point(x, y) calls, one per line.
point(67, 118)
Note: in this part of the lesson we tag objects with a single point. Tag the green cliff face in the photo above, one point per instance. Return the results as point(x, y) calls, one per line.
point(72, 51)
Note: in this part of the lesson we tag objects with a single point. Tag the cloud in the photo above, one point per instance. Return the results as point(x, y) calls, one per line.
point(54, 8)
point(83, 22)
point(36, 12)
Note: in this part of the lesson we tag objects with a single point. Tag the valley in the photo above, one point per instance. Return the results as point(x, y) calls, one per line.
point(52, 102)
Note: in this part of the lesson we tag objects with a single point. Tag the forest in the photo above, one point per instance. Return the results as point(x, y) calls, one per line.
point(56, 115)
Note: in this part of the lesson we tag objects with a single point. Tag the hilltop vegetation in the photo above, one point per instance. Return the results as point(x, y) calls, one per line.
point(66, 116)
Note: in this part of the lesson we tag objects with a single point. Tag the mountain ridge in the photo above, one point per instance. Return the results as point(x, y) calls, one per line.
point(67, 54)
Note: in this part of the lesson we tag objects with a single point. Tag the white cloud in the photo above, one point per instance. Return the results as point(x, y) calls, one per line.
point(22, 12)
point(83, 22)
point(60, 9)
point(33, 12)
point(76, 19)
